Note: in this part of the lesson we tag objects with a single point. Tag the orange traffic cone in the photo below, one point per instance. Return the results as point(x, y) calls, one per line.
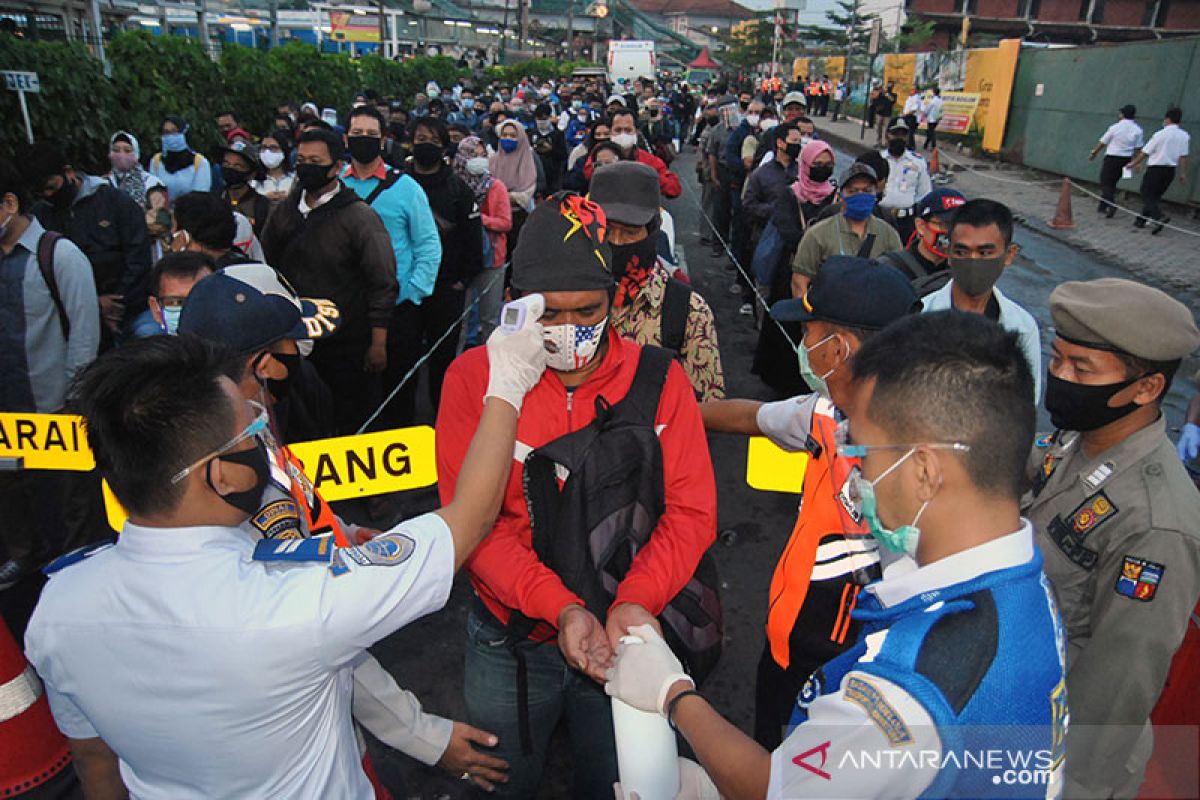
point(934, 165)
point(32, 750)
point(1062, 213)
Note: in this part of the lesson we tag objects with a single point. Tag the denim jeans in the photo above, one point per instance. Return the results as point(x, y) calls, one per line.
point(554, 690)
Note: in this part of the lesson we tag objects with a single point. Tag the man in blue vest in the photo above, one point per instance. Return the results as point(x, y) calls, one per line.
point(956, 684)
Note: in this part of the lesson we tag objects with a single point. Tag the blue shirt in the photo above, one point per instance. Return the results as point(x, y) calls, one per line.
point(196, 178)
point(405, 212)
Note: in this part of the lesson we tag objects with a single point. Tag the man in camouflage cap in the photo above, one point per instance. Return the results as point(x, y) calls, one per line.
point(1117, 519)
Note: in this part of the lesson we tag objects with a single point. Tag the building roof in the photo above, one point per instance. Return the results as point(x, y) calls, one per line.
point(701, 8)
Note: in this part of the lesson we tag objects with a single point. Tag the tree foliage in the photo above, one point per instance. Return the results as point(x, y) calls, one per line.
point(79, 108)
point(847, 23)
point(751, 42)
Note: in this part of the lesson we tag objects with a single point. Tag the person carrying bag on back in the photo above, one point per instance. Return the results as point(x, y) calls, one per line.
point(610, 458)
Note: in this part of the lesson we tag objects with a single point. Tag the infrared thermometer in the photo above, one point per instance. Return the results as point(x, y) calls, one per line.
point(517, 314)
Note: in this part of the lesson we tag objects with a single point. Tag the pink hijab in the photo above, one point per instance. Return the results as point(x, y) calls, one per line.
point(515, 170)
point(805, 188)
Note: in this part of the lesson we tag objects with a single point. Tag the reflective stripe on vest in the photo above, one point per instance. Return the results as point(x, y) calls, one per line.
point(18, 694)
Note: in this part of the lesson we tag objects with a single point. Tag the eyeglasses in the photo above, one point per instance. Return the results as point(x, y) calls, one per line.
point(860, 450)
point(259, 425)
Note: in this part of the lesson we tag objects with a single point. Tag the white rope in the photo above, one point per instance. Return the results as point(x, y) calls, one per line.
point(429, 353)
point(749, 279)
point(1058, 182)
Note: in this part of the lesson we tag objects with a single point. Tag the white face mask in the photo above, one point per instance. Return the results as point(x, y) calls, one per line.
point(804, 141)
point(752, 120)
point(767, 124)
point(572, 347)
point(271, 158)
point(624, 140)
point(477, 165)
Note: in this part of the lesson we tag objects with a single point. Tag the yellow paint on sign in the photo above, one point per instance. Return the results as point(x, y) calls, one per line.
point(371, 463)
point(46, 441)
point(112, 508)
point(835, 68)
point(770, 468)
point(901, 69)
point(958, 111)
point(799, 69)
point(991, 73)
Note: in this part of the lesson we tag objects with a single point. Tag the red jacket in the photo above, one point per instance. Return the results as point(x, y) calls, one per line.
point(668, 182)
point(504, 569)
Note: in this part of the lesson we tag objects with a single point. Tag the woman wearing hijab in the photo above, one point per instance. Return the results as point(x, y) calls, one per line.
point(495, 211)
point(513, 165)
point(127, 174)
point(180, 168)
point(812, 192)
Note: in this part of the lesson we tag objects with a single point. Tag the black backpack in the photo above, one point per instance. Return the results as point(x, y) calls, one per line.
point(923, 281)
point(677, 305)
point(589, 530)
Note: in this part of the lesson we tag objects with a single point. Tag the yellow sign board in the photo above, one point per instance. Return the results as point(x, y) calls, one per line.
point(958, 111)
point(769, 468)
point(991, 73)
point(901, 70)
point(799, 69)
point(46, 441)
point(835, 68)
point(370, 463)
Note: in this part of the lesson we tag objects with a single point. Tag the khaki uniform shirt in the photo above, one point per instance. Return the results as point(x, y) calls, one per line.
point(641, 321)
point(1120, 535)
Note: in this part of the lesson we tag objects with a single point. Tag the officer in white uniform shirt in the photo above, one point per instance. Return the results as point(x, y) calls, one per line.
point(908, 180)
point(1120, 143)
point(180, 667)
point(1165, 156)
point(962, 656)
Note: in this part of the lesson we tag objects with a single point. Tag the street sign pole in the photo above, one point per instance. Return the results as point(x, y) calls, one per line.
point(25, 114)
point(873, 51)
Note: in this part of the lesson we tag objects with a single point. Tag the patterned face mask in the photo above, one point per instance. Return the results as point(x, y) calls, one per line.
point(572, 347)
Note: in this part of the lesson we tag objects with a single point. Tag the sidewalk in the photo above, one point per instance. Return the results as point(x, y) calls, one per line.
point(1167, 260)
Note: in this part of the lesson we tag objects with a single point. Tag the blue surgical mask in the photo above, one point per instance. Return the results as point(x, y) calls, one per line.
point(859, 206)
point(174, 142)
point(508, 145)
point(170, 323)
point(815, 382)
point(468, 103)
point(905, 538)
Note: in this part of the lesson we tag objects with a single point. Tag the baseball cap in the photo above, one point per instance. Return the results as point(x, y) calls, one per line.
point(795, 97)
point(898, 124)
point(627, 191)
point(852, 291)
point(615, 98)
point(250, 306)
point(244, 149)
point(860, 170)
point(563, 247)
point(940, 203)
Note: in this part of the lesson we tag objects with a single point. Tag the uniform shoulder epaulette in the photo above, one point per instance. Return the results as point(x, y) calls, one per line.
point(77, 555)
point(318, 548)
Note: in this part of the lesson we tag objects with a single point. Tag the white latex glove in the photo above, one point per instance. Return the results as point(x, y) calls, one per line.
point(644, 671)
point(1189, 442)
point(516, 362)
point(694, 784)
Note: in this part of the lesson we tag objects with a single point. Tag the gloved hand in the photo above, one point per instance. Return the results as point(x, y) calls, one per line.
point(644, 671)
point(1189, 442)
point(516, 362)
point(694, 784)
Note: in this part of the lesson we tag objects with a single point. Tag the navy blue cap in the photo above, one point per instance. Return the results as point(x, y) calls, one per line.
point(251, 306)
point(940, 203)
point(852, 291)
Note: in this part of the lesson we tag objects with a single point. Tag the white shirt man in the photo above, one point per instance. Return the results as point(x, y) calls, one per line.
point(288, 637)
point(913, 104)
point(933, 109)
point(1167, 146)
point(1123, 138)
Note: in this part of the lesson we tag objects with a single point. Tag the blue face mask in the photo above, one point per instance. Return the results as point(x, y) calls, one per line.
point(174, 143)
point(508, 145)
point(170, 323)
point(859, 206)
point(468, 103)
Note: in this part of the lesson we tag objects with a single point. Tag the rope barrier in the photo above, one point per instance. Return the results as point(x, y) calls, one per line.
point(429, 353)
point(749, 279)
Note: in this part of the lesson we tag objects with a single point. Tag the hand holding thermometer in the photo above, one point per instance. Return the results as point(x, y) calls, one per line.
point(522, 312)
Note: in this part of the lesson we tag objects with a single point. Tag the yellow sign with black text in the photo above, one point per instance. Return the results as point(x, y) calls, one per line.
point(770, 468)
point(370, 463)
point(46, 441)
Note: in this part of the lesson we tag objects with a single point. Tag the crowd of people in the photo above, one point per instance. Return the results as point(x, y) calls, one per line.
point(952, 576)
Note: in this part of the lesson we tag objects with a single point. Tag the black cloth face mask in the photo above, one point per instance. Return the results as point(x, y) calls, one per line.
point(1082, 407)
point(249, 500)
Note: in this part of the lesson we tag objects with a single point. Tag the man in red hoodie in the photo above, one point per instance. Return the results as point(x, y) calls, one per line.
point(563, 255)
point(625, 135)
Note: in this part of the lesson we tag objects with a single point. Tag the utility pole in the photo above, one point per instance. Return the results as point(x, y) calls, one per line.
point(504, 33)
point(777, 41)
point(99, 28)
point(274, 9)
point(522, 22)
point(570, 30)
point(383, 34)
point(202, 25)
point(899, 27)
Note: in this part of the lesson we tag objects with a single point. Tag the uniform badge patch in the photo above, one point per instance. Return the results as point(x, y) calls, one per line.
point(278, 519)
point(811, 689)
point(387, 550)
point(1045, 440)
point(1139, 578)
point(1094, 510)
point(886, 718)
point(316, 549)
